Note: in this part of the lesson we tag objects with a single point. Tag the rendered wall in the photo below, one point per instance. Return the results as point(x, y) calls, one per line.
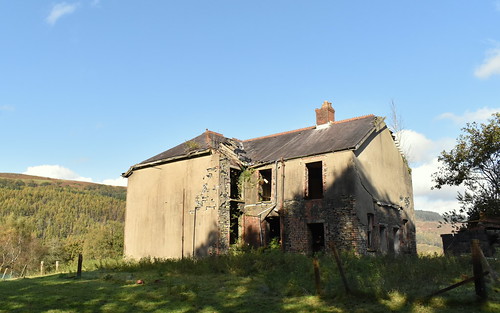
point(173, 209)
point(353, 182)
point(385, 177)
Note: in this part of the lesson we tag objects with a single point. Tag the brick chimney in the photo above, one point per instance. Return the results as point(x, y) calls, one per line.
point(325, 114)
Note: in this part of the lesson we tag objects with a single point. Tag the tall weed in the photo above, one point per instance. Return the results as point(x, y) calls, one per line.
point(292, 274)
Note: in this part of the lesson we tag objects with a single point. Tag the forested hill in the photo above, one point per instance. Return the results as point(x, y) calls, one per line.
point(428, 216)
point(430, 226)
point(57, 219)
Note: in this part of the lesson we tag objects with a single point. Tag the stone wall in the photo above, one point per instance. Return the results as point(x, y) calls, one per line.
point(457, 244)
point(224, 204)
point(341, 225)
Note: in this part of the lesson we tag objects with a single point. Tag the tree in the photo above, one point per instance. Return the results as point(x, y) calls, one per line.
point(18, 246)
point(104, 241)
point(474, 163)
point(396, 125)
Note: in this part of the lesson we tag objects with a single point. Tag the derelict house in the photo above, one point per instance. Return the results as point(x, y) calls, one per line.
point(339, 182)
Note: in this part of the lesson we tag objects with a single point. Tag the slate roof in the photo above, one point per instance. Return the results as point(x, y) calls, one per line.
point(341, 135)
point(337, 136)
point(207, 140)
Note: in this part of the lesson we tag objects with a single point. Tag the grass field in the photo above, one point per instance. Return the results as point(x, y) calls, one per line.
point(268, 281)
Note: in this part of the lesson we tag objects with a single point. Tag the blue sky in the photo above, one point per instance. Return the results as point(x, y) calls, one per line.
point(89, 88)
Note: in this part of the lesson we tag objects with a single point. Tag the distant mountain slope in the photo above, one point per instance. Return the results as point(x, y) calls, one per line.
point(63, 217)
point(429, 232)
point(59, 182)
point(428, 216)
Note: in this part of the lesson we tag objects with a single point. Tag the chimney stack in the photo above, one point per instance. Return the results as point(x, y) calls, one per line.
point(325, 114)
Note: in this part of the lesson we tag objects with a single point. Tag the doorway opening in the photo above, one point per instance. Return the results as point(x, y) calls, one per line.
point(317, 236)
point(273, 224)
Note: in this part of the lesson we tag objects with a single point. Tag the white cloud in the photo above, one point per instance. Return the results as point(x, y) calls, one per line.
point(6, 108)
point(490, 66)
point(59, 10)
point(423, 157)
point(428, 199)
point(55, 171)
point(415, 146)
point(422, 154)
point(422, 182)
point(60, 172)
point(481, 115)
point(435, 205)
point(120, 181)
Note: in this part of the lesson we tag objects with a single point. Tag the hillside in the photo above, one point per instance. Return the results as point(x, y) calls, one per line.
point(429, 232)
point(50, 219)
point(54, 220)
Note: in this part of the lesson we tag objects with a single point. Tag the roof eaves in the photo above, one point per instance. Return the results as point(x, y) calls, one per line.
point(164, 161)
point(375, 127)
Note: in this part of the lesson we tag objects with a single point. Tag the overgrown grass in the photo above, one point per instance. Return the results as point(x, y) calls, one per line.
point(267, 281)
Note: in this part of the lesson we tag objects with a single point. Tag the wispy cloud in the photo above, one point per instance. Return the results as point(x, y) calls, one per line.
point(6, 108)
point(424, 164)
point(490, 66)
point(479, 116)
point(120, 181)
point(59, 10)
point(55, 171)
point(61, 172)
point(423, 156)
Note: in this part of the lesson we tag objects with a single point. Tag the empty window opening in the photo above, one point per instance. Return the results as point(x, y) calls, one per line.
point(397, 242)
point(314, 188)
point(383, 239)
point(234, 222)
point(235, 190)
point(406, 233)
point(265, 182)
point(317, 236)
point(273, 224)
point(369, 233)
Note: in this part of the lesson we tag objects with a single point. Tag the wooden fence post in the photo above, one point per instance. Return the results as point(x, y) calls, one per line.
point(5, 273)
point(477, 269)
point(79, 269)
point(41, 268)
point(57, 266)
point(339, 265)
point(23, 273)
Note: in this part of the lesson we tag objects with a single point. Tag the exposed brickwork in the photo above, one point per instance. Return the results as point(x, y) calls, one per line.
point(325, 114)
point(341, 225)
point(224, 204)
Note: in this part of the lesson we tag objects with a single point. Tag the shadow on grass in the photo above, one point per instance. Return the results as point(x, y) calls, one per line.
point(252, 282)
point(208, 293)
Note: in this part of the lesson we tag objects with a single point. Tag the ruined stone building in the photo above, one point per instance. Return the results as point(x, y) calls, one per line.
point(338, 182)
